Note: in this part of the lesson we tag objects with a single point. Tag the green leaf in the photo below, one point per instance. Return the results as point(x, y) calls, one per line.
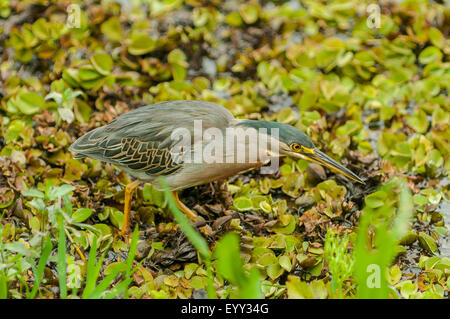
point(102, 62)
point(40, 29)
point(82, 111)
point(418, 121)
point(141, 43)
point(56, 96)
point(154, 196)
point(395, 274)
point(407, 288)
point(376, 199)
point(60, 191)
point(34, 223)
point(234, 19)
point(18, 247)
point(111, 268)
point(81, 215)
point(115, 216)
point(33, 193)
point(409, 238)
point(430, 54)
point(30, 103)
point(427, 243)
point(289, 228)
point(249, 13)
point(112, 29)
point(267, 259)
point(88, 74)
point(66, 114)
point(15, 128)
point(274, 271)
point(298, 289)
point(243, 203)
point(436, 37)
point(177, 60)
point(189, 270)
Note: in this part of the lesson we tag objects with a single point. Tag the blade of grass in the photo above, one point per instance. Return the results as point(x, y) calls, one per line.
point(93, 269)
point(62, 259)
point(210, 290)
point(229, 261)
point(91, 291)
point(3, 286)
point(230, 266)
point(25, 284)
point(405, 209)
point(48, 246)
point(132, 251)
point(90, 274)
point(3, 278)
point(104, 284)
point(372, 262)
point(130, 258)
point(252, 289)
point(192, 235)
point(117, 290)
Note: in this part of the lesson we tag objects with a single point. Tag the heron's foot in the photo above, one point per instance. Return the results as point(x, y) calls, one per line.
point(129, 190)
point(125, 235)
point(192, 216)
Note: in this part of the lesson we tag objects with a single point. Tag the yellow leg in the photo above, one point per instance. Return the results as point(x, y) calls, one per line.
point(126, 210)
point(80, 253)
point(190, 214)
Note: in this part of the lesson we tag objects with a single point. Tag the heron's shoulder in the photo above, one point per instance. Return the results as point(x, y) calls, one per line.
point(186, 108)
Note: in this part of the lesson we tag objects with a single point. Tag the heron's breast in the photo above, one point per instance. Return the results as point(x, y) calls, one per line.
point(197, 174)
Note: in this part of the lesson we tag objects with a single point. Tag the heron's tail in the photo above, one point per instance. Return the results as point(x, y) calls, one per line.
point(88, 143)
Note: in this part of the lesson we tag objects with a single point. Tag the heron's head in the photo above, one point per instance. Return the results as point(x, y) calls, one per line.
point(295, 143)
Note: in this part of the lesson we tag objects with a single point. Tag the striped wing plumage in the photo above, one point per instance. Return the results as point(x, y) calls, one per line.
point(143, 156)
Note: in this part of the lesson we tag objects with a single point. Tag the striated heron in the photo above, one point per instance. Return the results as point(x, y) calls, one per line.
point(143, 144)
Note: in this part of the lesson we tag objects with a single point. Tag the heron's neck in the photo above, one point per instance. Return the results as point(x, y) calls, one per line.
point(268, 125)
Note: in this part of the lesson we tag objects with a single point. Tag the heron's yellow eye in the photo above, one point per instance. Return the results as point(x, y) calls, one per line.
point(296, 147)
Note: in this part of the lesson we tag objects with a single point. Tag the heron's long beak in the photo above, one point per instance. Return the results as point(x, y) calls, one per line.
point(316, 156)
